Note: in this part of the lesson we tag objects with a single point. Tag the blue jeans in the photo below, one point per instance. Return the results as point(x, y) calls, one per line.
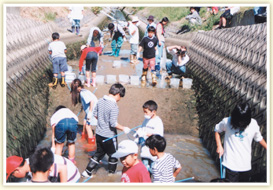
point(66, 128)
point(76, 23)
point(171, 68)
point(158, 56)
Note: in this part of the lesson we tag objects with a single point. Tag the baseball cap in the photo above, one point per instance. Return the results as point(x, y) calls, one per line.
point(83, 47)
point(12, 163)
point(125, 148)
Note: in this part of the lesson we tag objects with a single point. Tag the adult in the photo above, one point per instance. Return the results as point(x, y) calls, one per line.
point(179, 61)
point(151, 23)
point(227, 16)
point(193, 17)
point(95, 33)
point(117, 35)
point(134, 38)
point(75, 16)
point(161, 41)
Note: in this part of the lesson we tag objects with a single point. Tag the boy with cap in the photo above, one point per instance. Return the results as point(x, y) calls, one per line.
point(134, 170)
point(134, 38)
point(151, 23)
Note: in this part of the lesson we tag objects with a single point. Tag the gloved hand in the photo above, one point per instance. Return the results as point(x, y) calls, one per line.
point(124, 39)
point(89, 115)
point(141, 133)
point(126, 130)
point(109, 40)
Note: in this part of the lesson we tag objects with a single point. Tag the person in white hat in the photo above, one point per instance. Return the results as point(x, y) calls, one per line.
point(134, 170)
point(134, 38)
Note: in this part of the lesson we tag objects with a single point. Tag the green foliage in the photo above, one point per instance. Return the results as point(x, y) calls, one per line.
point(50, 16)
point(96, 10)
point(173, 13)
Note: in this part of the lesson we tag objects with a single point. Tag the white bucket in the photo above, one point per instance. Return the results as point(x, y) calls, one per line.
point(175, 82)
point(187, 83)
point(100, 79)
point(111, 79)
point(123, 79)
point(134, 80)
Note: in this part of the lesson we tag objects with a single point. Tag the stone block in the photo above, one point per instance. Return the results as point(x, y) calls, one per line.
point(111, 79)
point(134, 80)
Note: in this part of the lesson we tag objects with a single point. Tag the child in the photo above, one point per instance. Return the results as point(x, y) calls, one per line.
point(193, 17)
point(57, 50)
point(106, 112)
point(64, 125)
point(151, 23)
point(133, 171)
point(151, 125)
point(118, 38)
point(134, 38)
point(40, 164)
point(91, 56)
point(240, 130)
point(161, 41)
point(63, 169)
point(149, 44)
point(166, 167)
point(89, 102)
point(76, 14)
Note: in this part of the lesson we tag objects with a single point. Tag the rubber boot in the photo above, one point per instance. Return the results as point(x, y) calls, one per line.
point(63, 82)
point(92, 140)
point(113, 52)
point(77, 30)
point(84, 136)
point(93, 82)
point(144, 75)
point(72, 29)
point(54, 83)
point(117, 52)
point(87, 82)
point(154, 81)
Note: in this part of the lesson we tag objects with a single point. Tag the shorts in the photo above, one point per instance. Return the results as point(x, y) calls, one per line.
point(66, 128)
point(91, 61)
point(227, 15)
point(134, 49)
point(234, 176)
point(59, 65)
point(149, 62)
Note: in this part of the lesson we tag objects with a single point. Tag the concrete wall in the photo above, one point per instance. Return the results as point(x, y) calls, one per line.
point(227, 66)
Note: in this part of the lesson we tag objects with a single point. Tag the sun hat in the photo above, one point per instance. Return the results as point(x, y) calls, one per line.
point(12, 163)
point(125, 148)
point(135, 19)
point(83, 47)
point(150, 18)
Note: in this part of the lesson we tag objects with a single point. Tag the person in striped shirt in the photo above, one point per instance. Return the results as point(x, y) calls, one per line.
point(166, 167)
point(106, 112)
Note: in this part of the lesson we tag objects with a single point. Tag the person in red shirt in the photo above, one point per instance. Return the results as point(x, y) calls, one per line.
point(134, 170)
point(90, 55)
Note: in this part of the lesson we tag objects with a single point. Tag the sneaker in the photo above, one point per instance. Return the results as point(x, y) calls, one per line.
point(85, 174)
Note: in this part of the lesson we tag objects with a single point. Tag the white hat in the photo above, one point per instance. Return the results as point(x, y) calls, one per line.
point(83, 47)
point(135, 19)
point(125, 148)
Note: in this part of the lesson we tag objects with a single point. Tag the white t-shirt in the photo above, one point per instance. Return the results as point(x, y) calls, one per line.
point(134, 39)
point(234, 10)
point(73, 174)
point(62, 114)
point(185, 59)
point(57, 48)
point(76, 12)
point(151, 126)
point(237, 145)
point(86, 98)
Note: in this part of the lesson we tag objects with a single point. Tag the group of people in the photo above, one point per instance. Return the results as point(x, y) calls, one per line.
point(48, 164)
